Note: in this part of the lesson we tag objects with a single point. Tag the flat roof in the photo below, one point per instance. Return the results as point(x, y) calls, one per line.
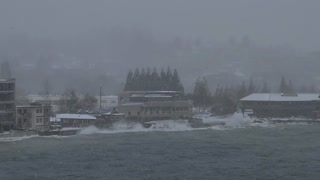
point(280, 97)
point(151, 95)
point(133, 104)
point(75, 116)
point(33, 106)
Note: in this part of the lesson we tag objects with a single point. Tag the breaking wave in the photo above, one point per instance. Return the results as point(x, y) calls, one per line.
point(13, 139)
point(167, 125)
point(214, 123)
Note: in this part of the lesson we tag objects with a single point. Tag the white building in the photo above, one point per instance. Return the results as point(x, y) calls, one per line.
point(73, 120)
point(33, 117)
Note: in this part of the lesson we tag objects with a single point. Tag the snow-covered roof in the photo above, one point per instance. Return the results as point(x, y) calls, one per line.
point(74, 116)
point(132, 104)
point(115, 114)
point(280, 97)
point(151, 95)
point(158, 96)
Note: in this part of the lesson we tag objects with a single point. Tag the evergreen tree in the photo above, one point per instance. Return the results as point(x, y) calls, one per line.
point(147, 81)
point(129, 82)
point(265, 88)
point(290, 88)
point(176, 84)
point(155, 80)
point(136, 81)
point(283, 86)
point(163, 80)
point(201, 93)
point(168, 80)
point(251, 87)
point(242, 92)
point(88, 102)
point(69, 102)
point(142, 83)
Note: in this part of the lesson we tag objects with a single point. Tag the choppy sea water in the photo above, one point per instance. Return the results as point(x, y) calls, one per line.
point(238, 150)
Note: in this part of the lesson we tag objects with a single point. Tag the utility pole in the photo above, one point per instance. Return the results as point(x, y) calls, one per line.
point(100, 99)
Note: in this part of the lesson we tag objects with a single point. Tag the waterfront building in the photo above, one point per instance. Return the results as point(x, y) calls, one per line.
point(7, 104)
point(34, 117)
point(281, 105)
point(73, 120)
point(145, 106)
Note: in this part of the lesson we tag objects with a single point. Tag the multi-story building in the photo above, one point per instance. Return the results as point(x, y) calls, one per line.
point(7, 104)
point(281, 105)
point(35, 117)
point(154, 105)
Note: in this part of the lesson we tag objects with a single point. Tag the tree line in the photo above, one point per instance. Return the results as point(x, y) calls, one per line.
point(72, 103)
point(145, 79)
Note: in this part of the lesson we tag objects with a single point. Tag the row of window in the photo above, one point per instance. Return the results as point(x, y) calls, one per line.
point(39, 120)
point(151, 112)
point(75, 121)
point(22, 120)
point(166, 109)
point(38, 111)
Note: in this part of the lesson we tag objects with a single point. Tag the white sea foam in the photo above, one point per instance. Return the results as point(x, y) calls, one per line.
point(167, 125)
point(12, 139)
point(217, 123)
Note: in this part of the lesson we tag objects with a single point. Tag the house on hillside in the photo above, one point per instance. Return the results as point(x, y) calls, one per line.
point(145, 106)
point(281, 105)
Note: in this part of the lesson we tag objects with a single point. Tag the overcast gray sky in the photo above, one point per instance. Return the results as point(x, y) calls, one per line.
point(293, 22)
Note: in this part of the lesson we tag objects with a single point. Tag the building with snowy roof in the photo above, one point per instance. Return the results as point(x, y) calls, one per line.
point(73, 120)
point(154, 105)
point(281, 105)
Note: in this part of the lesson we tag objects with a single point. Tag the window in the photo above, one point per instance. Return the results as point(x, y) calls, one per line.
point(20, 111)
point(20, 120)
point(24, 120)
point(25, 111)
